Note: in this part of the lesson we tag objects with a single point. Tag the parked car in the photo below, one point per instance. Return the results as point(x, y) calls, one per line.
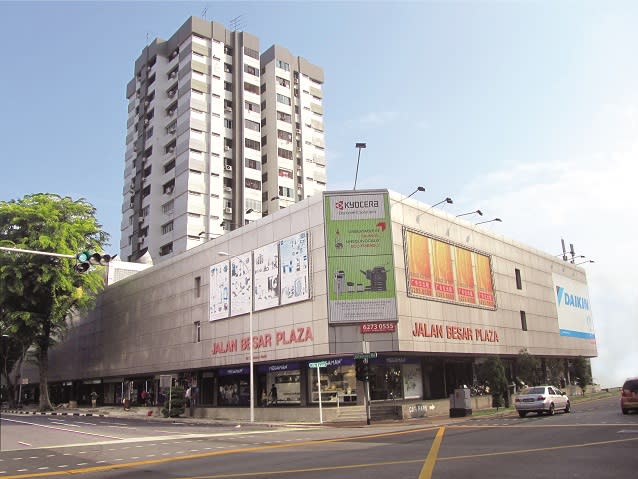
point(629, 395)
point(541, 399)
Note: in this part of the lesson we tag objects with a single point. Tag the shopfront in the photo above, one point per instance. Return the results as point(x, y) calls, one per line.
point(338, 382)
point(395, 378)
point(287, 380)
point(233, 386)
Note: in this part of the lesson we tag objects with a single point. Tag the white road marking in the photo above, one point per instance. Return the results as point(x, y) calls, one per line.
point(88, 423)
point(81, 463)
point(64, 465)
point(628, 431)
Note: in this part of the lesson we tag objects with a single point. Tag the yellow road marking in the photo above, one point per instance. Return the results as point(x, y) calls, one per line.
point(430, 461)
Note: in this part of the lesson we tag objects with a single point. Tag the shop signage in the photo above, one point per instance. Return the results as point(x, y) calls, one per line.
point(233, 371)
point(272, 368)
point(378, 328)
point(266, 340)
point(455, 333)
point(365, 355)
point(318, 364)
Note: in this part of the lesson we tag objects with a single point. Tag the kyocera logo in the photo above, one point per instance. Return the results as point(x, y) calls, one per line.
point(344, 205)
point(571, 299)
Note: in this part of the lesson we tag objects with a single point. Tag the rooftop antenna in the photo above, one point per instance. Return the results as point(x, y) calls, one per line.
point(204, 12)
point(238, 23)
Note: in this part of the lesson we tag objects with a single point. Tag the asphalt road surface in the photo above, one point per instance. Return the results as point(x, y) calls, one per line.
point(595, 441)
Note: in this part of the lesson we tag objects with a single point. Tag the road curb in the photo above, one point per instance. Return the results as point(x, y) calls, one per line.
point(50, 413)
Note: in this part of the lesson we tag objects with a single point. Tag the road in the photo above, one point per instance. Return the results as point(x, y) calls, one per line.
point(595, 441)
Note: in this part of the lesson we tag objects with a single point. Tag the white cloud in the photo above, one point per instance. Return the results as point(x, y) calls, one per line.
point(374, 119)
point(590, 201)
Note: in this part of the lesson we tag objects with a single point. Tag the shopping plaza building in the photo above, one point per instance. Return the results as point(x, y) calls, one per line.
point(336, 274)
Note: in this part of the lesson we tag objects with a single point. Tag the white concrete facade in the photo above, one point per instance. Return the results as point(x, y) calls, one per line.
point(157, 321)
point(193, 162)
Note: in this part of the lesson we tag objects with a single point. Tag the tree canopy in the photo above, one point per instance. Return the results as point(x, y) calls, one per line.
point(37, 291)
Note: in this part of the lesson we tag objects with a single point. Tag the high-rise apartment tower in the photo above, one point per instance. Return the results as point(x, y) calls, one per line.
point(217, 136)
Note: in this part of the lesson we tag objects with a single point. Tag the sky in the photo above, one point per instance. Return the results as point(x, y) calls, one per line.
point(526, 110)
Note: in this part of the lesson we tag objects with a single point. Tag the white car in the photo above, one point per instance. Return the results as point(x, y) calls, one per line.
point(541, 399)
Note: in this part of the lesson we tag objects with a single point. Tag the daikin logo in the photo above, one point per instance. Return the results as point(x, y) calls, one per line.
point(571, 299)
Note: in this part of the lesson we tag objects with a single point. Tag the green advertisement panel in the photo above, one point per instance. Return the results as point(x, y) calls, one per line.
point(361, 285)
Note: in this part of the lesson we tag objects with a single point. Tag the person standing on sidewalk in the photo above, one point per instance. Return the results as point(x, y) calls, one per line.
point(94, 399)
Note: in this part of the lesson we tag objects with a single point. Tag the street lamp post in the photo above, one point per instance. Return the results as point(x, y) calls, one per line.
point(488, 221)
point(360, 146)
point(250, 351)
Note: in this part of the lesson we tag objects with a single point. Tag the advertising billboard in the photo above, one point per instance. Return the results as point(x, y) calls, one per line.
point(293, 252)
point(219, 291)
point(444, 271)
point(272, 275)
point(573, 308)
point(359, 257)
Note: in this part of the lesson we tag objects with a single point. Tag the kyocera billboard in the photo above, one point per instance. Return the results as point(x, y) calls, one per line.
point(573, 308)
point(359, 257)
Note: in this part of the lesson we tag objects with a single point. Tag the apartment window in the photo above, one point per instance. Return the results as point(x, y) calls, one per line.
point(519, 282)
point(198, 284)
point(285, 173)
point(263, 88)
point(147, 172)
point(250, 106)
point(145, 211)
point(523, 321)
point(228, 50)
point(284, 135)
point(146, 191)
point(264, 159)
point(167, 227)
point(284, 117)
point(166, 249)
point(168, 207)
point(251, 53)
point(264, 140)
point(282, 81)
point(168, 187)
point(283, 65)
point(253, 184)
point(168, 166)
point(228, 105)
point(228, 86)
point(228, 68)
point(149, 132)
point(263, 105)
point(254, 164)
point(197, 326)
point(283, 99)
point(264, 179)
point(228, 143)
point(263, 122)
point(251, 70)
point(252, 125)
point(287, 192)
point(228, 123)
point(283, 153)
point(252, 144)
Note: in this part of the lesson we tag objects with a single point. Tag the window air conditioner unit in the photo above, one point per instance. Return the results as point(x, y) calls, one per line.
point(173, 74)
point(228, 210)
point(170, 112)
point(228, 168)
point(226, 148)
point(171, 93)
point(146, 102)
point(227, 188)
point(140, 220)
point(171, 149)
point(298, 131)
point(227, 108)
point(146, 121)
point(169, 190)
point(140, 240)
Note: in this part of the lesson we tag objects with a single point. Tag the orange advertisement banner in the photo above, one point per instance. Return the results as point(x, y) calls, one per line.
point(465, 286)
point(484, 279)
point(443, 273)
point(419, 270)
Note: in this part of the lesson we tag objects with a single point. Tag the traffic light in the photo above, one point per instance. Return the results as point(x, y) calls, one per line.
point(87, 258)
point(362, 369)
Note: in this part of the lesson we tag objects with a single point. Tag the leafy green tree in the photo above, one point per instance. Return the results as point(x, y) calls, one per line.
point(14, 342)
point(582, 372)
point(492, 373)
point(39, 292)
point(526, 367)
point(177, 402)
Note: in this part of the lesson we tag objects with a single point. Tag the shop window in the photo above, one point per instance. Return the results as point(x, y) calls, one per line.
point(338, 382)
point(519, 281)
point(523, 321)
point(198, 330)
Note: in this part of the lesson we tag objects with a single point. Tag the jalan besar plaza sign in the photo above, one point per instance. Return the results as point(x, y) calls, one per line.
point(266, 340)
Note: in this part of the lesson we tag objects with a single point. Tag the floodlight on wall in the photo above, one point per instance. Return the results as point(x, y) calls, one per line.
point(583, 262)
point(360, 146)
point(489, 221)
point(447, 200)
point(475, 212)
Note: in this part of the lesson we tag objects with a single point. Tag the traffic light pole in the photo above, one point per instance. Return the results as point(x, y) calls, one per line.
point(367, 399)
point(45, 253)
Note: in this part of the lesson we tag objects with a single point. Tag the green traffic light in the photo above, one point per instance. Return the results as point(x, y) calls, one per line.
point(83, 256)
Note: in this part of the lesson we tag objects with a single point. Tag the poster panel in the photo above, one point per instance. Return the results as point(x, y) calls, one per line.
point(419, 265)
point(294, 268)
point(573, 308)
point(484, 280)
point(219, 291)
point(359, 257)
point(266, 276)
point(241, 284)
point(465, 284)
point(443, 272)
